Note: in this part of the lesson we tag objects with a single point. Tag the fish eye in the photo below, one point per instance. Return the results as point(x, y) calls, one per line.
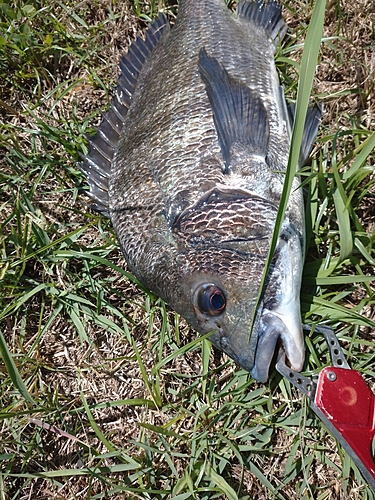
point(210, 299)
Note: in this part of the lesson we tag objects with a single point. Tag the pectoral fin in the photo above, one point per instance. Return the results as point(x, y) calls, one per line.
point(310, 131)
point(239, 114)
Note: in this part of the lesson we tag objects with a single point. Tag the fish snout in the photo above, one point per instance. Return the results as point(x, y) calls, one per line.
point(272, 327)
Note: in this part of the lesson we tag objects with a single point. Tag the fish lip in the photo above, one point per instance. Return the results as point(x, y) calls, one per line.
point(275, 326)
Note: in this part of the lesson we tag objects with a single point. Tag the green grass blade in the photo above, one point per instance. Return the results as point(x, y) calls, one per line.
point(92, 256)
point(93, 424)
point(312, 204)
point(343, 219)
point(363, 251)
point(362, 153)
point(341, 206)
point(339, 280)
point(16, 304)
point(152, 388)
point(178, 352)
point(224, 487)
point(259, 474)
point(118, 468)
point(13, 372)
point(206, 349)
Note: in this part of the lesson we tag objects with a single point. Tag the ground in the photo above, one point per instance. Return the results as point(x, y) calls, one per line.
point(106, 392)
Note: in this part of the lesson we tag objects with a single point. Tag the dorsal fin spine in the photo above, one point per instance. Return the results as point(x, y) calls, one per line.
point(101, 151)
point(110, 135)
point(133, 60)
point(96, 164)
point(127, 75)
point(141, 50)
point(266, 15)
point(105, 137)
point(112, 117)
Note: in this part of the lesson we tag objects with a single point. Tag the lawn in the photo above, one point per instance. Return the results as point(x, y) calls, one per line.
point(105, 392)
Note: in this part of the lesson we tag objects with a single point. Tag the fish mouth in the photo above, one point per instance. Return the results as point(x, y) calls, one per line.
point(255, 354)
point(274, 326)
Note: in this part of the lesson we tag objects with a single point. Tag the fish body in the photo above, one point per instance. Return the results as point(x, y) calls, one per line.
point(189, 164)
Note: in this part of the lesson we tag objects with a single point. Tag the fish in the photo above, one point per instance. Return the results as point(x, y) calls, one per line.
point(189, 164)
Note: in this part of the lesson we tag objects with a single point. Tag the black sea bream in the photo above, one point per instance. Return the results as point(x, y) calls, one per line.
point(189, 165)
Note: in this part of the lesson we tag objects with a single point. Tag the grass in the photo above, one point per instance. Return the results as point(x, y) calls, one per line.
point(105, 392)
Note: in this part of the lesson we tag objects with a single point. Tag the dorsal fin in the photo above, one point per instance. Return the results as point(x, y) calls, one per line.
point(97, 164)
point(266, 15)
point(239, 114)
point(310, 130)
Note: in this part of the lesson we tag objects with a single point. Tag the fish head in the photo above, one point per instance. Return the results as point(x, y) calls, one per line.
point(223, 246)
point(222, 301)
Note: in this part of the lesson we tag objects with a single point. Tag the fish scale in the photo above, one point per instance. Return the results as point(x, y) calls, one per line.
point(177, 110)
point(189, 166)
